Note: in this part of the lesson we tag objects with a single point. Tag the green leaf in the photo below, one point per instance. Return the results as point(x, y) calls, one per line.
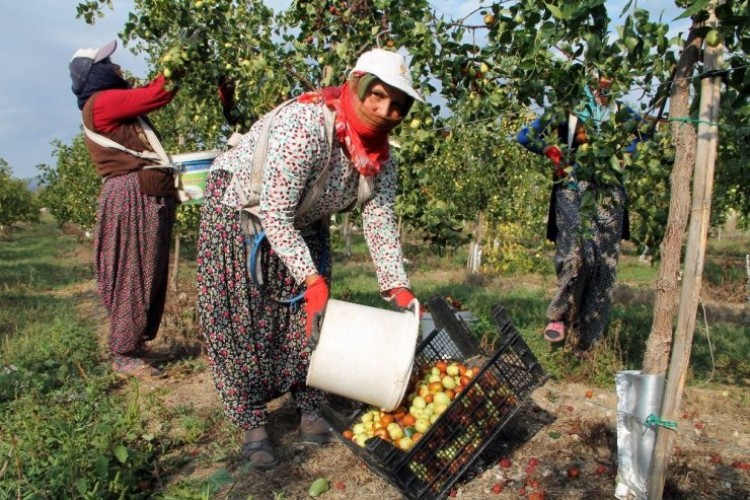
point(555, 11)
point(554, 434)
point(220, 478)
point(102, 466)
point(82, 485)
point(694, 9)
point(121, 452)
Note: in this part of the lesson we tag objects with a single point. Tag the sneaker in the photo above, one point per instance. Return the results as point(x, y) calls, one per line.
point(126, 366)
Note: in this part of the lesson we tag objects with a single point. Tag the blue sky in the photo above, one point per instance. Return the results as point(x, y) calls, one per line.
point(36, 43)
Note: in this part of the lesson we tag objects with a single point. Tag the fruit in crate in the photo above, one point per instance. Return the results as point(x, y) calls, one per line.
point(429, 397)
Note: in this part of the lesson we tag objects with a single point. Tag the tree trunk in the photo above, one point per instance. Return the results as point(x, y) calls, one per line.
point(659, 342)
point(476, 244)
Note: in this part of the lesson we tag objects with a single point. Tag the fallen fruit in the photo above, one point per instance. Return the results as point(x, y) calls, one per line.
point(573, 472)
point(601, 469)
point(505, 463)
point(497, 488)
point(589, 394)
point(318, 487)
point(537, 495)
point(741, 465)
point(339, 485)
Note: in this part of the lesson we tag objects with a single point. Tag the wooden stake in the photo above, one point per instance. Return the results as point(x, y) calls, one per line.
point(176, 262)
point(694, 258)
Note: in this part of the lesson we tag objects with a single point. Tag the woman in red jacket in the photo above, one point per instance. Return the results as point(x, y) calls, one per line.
point(136, 206)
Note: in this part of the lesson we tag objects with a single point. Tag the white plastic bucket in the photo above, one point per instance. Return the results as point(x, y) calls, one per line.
point(194, 169)
point(365, 353)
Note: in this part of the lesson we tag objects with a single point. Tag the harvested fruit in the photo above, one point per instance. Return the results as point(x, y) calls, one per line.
point(430, 396)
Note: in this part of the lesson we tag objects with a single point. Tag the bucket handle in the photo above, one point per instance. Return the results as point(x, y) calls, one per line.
point(312, 341)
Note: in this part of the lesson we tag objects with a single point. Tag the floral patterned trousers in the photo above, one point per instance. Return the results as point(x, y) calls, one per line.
point(586, 261)
point(256, 345)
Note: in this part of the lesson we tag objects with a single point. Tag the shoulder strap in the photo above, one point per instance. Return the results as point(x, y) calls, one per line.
point(261, 150)
point(158, 153)
point(154, 141)
point(329, 119)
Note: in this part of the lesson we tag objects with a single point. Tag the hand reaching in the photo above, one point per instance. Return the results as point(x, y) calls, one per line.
point(554, 154)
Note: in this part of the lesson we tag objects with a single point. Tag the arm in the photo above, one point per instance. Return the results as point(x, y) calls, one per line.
point(637, 135)
point(116, 105)
point(532, 137)
point(381, 231)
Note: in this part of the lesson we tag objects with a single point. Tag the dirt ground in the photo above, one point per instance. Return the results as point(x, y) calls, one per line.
point(562, 443)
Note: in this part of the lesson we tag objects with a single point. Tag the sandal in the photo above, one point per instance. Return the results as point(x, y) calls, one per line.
point(251, 448)
point(314, 429)
point(555, 332)
point(126, 366)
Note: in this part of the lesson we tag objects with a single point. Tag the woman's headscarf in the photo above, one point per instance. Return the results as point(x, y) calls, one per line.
point(103, 76)
point(363, 133)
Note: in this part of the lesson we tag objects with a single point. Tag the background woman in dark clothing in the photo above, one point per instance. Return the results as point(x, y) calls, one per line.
point(136, 206)
point(586, 265)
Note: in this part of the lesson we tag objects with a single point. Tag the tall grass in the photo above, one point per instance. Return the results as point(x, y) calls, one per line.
point(63, 434)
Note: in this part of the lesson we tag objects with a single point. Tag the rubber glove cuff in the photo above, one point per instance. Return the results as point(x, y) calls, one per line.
point(316, 297)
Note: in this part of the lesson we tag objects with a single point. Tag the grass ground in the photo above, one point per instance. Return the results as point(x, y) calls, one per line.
point(70, 429)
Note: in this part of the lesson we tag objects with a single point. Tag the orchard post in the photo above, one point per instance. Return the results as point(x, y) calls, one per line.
point(693, 272)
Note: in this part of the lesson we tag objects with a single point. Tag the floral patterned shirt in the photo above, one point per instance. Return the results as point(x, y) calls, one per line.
point(297, 152)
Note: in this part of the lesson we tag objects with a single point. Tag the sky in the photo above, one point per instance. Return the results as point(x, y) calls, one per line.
point(40, 36)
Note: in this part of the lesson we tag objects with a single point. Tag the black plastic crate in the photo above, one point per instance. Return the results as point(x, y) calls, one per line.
point(472, 420)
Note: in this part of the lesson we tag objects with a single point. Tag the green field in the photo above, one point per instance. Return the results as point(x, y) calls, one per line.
point(69, 429)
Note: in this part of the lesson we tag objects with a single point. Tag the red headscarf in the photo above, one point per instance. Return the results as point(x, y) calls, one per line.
point(363, 133)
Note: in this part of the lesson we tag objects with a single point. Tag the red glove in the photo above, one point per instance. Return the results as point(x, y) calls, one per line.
point(554, 154)
point(316, 297)
point(401, 297)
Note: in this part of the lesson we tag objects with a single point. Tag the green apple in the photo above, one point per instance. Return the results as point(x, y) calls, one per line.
point(422, 424)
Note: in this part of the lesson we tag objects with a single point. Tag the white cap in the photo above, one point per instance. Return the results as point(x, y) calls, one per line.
point(390, 67)
point(97, 55)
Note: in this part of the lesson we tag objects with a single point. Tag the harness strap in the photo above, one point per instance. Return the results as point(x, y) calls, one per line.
point(253, 266)
point(158, 152)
